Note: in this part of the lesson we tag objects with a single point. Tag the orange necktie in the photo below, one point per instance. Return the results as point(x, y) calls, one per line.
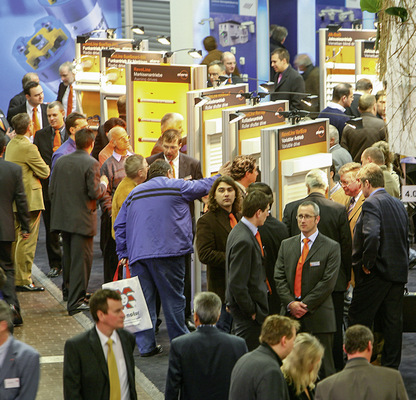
point(233, 221)
point(35, 119)
point(56, 140)
point(299, 268)
point(2, 125)
point(70, 100)
point(173, 168)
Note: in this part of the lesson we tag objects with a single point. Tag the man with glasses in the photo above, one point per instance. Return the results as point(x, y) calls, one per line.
point(305, 275)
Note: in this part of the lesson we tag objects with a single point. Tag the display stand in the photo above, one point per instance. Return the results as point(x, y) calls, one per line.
point(366, 61)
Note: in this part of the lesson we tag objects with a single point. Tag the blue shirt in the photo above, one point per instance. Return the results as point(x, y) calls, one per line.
point(66, 148)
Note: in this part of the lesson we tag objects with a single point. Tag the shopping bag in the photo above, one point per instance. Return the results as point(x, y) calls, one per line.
point(135, 308)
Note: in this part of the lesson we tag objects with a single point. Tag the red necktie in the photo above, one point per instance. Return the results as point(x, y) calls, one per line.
point(56, 140)
point(299, 268)
point(70, 101)
point(233, 221)
point(35, 119)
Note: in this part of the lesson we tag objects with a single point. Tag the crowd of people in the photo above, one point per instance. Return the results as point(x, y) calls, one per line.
point(273, 323)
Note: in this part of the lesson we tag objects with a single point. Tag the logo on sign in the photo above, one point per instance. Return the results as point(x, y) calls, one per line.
point(127, 297)
point(183, 75)
point(320, 132)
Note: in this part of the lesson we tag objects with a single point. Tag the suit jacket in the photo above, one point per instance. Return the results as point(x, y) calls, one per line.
point(319, 276)
point(200, 364)
point(336, 118)
point(361, 380)
point(85, 366)
point(291, 82)
point(74, 190)
point(311, 78)
point(12, 190)
point(21, 361)
point(5, 122)
point(333, 223)
point(22, 152)
point(14, 102)
point(44, 141)
point(340, 156)
point(257, 375)
point(353, 108)
point(246, 291)
point(357, 140)
point(212, 231)
point(101, 140)
point(381, 238)
point(22, 109)
point(61, 91)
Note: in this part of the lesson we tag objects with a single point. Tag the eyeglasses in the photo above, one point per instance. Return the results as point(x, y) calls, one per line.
point(301, 216)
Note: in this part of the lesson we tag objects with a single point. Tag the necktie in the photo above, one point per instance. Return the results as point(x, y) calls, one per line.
point(230, 80)
point(173, 168)
point(299, 268)
point(56, 140)
point(233, 221)
point(351, 206)
point(2, 125)
point(279, 78)
point(70, 101)
point(115, 392)
point(35, 119)
point(258, 238)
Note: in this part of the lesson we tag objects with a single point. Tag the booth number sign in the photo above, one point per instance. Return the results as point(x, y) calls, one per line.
point(409, 193)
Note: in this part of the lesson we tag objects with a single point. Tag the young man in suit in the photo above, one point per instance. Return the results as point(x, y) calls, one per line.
point(212, 230)
point(246, 293)
point(306, 273)
point(201, 362)
point(99, 364)
point(22, 152)
point(360, 380)
point(48, 140)
point(19, 364)
point(257, 375)
point(287, 79)
point(12, 191)
point(244, 171)
point(333, 223)
point(33, 106)
point(381, 263)
point(74, 190)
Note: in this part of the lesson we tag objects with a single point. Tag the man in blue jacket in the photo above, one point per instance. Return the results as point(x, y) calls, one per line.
point(154, 231)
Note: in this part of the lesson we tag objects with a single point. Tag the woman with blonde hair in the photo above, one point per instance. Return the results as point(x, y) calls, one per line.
point(300, 368)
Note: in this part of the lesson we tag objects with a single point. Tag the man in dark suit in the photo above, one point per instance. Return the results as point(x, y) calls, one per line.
point(66, 93)
point(333, 223)
point(246, 293)
point(12, 190)
point(201, 362)
point(212, 230)
point(257, 375)
point(380, 262)
point(183, 167)
point(19, 364)
point(360, 380)
point(33, 106)
point(48, 140)
point(363, 86)
point(20, 98)
point(286, 80)
point(5, 127)
point(74, 190)
point(306, 273)
point(99, 364)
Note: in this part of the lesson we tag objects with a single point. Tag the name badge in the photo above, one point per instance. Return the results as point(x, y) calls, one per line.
point(11, 383)
point(315, 263)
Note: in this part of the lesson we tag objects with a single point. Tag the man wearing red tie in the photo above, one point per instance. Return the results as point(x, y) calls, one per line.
point(66, 93)
point(247, 286)
point(305, 275)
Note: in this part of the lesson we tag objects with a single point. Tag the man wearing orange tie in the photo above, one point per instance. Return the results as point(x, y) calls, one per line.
point(305, 275)
point(246, 291)
point(66, 93)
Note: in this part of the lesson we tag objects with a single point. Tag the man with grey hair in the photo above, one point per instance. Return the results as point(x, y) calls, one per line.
point(19, 362)
point(340, 156)
point(370, 381)
point(66, 94)
point(306, 274)
point(201, 362)
point(310, 75)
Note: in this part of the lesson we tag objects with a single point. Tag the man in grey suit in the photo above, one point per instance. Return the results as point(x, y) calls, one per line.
point(257, 375)
point(360, 380)
point(99, 364)
point(19, 362)
point(306, 273)
point(201, 362)
point(74, 190)
point(246, 292)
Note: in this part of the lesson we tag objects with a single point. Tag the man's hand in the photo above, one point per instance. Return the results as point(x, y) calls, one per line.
point(366, 270)
point(24, 234)
point(253, 317)
point(298, 309)
point(225, 169)
point(11, 134)
point(124, 261)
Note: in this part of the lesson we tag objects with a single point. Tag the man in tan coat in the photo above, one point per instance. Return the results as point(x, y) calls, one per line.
point(22, 152)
